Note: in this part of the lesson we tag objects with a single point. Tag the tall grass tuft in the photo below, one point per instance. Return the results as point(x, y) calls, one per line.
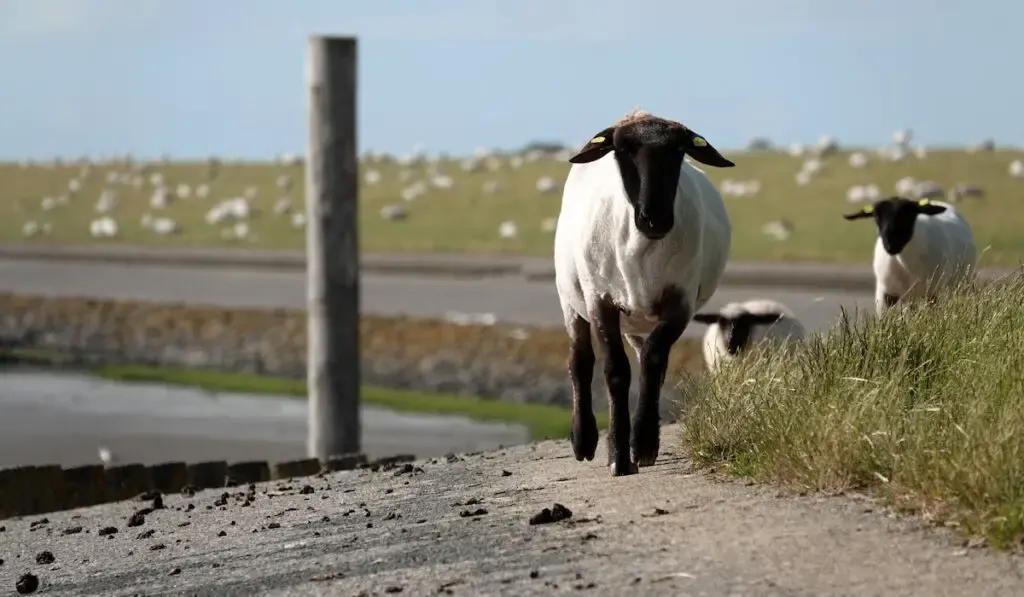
point(925, 405)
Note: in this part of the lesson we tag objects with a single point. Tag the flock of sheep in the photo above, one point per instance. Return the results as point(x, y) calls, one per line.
point(419, 172)
point(641, 243)
point(232, 214)
point(422, 174)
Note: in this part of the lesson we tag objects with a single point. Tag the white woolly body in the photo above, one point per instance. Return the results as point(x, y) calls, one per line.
point(599, 251)
point(784, 333)
point(940, 254)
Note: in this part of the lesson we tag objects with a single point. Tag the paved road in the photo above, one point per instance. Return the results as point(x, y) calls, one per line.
point(511, 298)
point(666, 531)
point(64, 419)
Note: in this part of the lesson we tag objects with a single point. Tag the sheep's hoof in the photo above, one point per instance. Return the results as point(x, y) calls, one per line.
point(645, 455)
point(584, 436)
point(644, 449)
point(646, 460)
point(627, 469)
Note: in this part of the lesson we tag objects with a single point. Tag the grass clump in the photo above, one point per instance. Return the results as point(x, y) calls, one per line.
point(925, 406)
point(542, 421)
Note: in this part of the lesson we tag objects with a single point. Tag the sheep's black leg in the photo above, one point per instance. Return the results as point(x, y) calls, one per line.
point(890, 299)
point(674, 315)
point(616, 375)
point(581, 372)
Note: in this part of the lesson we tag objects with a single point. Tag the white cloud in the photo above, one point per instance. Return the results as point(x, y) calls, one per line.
point(35, 20)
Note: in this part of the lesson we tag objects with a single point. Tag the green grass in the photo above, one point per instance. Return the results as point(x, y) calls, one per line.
point(924, 407)
point(464, 219)
point(542, 421)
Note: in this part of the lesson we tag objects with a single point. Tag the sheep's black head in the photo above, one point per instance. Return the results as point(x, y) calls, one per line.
point(650, 152)
point(895, 218)
point(737, 328)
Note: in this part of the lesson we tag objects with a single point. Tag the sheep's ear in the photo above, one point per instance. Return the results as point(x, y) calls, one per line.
point(928, 208)
point(707, 318)
point(596, 148)
point(699, 149)
point(867, 212)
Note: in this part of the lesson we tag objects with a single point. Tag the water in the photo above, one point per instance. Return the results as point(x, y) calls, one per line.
point(62, 418)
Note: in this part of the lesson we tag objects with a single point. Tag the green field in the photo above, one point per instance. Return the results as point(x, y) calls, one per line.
point(466, 219)
point(925, 408)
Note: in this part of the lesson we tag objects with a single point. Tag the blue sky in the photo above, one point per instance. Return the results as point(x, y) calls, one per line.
point(195, 78)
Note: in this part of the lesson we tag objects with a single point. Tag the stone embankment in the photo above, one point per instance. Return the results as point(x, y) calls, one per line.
point(507, 362)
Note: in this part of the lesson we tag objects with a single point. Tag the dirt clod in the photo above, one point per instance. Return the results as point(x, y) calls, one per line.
point(107, 531)
point(44, 558)
point(28, 583)
point(471, 513)
point(145, 534)
point(138, 518)
point(306, 490)
point(555, 513)
point(71, 530)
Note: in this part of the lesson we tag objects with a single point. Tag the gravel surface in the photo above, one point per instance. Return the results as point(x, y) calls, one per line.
point(462, 526)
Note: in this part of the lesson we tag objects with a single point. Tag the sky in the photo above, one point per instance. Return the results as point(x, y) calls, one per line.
point(194, 78)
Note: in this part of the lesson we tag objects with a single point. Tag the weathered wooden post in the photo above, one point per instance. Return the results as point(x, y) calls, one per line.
point(332, 249)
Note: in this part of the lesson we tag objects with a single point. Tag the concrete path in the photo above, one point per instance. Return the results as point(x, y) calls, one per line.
point(511, 298)
point(462, 528)
point(774, 274)
point(64, 419)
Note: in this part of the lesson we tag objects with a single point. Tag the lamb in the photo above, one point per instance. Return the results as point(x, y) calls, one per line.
point(641, 242)
point(923, 247)
point(738, 326)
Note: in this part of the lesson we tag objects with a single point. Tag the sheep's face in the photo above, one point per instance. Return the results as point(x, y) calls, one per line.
point(736, 329)
point(895, 218)
point(649, 152)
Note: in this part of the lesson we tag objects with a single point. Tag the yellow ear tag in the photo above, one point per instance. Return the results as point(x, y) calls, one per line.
point(869, 209)
point(923, 202)
point(597, 140)
point(699, 142)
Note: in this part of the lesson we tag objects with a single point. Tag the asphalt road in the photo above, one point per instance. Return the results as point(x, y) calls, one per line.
point(666, 531)
point(511, 298)
point(64, 419)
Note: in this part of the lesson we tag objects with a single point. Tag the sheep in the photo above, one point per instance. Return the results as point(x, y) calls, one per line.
point(508, 230)
point(738, 326)
point(923, 246)
point(641, 241)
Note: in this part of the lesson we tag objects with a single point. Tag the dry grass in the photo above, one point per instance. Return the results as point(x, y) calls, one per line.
point(926, 407)
point(465, 219)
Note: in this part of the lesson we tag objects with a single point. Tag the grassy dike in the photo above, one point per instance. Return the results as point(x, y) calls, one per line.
point(925, 408)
